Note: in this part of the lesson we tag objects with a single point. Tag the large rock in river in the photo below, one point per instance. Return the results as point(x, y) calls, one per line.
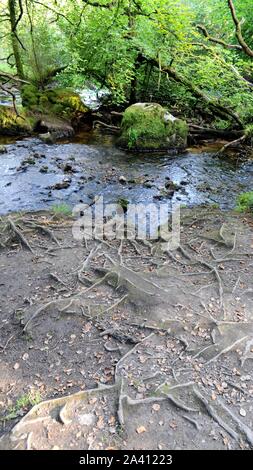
point(150, 127)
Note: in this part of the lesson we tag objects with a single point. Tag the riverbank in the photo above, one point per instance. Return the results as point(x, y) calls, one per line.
point(167, 335)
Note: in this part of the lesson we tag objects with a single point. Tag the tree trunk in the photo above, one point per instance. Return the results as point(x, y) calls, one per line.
point(14, 39)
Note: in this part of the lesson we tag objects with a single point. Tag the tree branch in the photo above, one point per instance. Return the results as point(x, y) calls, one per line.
point(218, 41)
point(238, 30)
point(12, 78)
point(242, 46)
point(54, 11)
point(214, 105)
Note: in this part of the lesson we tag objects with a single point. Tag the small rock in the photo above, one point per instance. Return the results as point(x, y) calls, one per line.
point(44, 169)
point(68, 168)
point(243, 412)
point(16, 366)
point(3, 149)
point(122, 180)
point(86, 419)
point(47, 138)
point(63, 184)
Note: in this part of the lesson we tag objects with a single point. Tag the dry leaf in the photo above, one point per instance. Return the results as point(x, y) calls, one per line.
point(87, 327)
point(100, 423)
point(156, 407)
point(141, 429)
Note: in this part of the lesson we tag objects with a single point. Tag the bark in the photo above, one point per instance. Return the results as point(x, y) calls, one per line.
point(242, 46)
point(14, 38)
point(238, 30)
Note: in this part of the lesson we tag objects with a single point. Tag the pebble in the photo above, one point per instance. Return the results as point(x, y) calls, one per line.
point(243, 412)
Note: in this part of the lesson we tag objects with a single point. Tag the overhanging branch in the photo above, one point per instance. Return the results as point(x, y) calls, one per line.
point(238, 30)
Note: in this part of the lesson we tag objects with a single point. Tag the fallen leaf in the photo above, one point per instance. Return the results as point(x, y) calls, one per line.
point(156, 407)
point(141, 430)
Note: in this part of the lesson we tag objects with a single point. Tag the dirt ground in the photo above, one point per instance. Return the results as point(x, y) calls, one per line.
point(124, 345)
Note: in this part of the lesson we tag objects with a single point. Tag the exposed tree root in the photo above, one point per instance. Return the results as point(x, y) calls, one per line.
point(122, 359)
point(42, 229)
point(241, 426)
point(193, 421)
point(19, 235)
point(211, 411)
point(180, 404)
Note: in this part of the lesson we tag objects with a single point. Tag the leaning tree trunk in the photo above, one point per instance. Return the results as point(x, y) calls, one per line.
point(14, 38)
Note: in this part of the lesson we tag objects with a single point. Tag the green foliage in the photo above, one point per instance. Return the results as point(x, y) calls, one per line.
point(61, 210)
point(249, 131)
point(22, 404)
point(245, 202)
point(103, 45)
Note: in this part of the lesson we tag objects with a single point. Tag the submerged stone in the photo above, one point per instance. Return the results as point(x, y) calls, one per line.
point(150, 127)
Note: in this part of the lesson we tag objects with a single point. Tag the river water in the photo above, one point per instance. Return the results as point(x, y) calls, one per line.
point(92, 166)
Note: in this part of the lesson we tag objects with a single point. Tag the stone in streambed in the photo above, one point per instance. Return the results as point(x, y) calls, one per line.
point(150, 127)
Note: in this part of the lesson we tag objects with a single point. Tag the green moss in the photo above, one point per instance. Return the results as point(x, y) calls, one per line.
point(150, 126)
point(59, 101)
point(245, 202)
point(11, 124)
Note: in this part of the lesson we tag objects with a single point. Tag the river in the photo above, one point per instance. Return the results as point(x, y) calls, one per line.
point(91, 165)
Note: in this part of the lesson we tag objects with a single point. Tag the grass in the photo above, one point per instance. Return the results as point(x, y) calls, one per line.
point(245, 202)
point(62, 210)
point(22, 404)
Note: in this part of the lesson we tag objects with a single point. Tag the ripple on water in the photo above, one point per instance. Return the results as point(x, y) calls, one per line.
point(97, 165)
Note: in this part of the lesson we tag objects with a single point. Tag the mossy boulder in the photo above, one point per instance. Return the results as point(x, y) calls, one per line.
point(60, 102)
point(150, 127)
point(11, 124)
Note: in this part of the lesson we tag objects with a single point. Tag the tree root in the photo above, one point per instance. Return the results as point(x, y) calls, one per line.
point(122, 359)
point(241, 426)
point(44, 307)
point(180, 404)
point(42, 229)
point(120, 301)
point(19, 235)
point(193, 421)
point(227, 349)
point(211, 411)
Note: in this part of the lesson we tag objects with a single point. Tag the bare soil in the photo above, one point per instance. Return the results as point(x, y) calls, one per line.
point(126, 345)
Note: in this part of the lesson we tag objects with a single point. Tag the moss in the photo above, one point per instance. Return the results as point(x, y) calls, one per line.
point(245, 202)
point(59, 101)
point(150, 126)
point(249, 131)
point(11, 124)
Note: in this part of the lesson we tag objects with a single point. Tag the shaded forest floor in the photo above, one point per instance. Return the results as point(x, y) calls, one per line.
point(125, 345)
